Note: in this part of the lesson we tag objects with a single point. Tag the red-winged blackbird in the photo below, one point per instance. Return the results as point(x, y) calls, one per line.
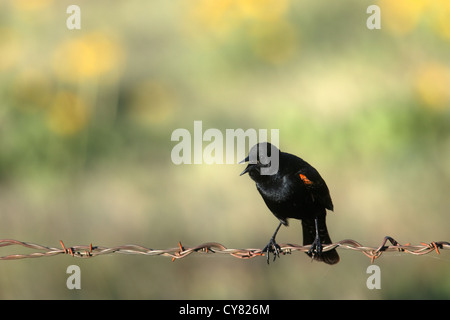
point(294, 190)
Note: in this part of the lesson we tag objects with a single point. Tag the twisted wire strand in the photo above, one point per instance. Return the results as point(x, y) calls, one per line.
point(179, 252)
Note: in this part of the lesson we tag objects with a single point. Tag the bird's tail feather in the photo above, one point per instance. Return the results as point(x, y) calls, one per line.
point(309, 235)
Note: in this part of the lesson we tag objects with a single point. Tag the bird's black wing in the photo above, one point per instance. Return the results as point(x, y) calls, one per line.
point(316, 186)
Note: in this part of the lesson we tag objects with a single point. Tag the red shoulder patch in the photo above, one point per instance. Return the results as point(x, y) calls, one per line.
point(305, 179)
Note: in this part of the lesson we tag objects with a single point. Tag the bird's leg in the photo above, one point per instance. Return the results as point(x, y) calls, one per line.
point(272, 246)
point(316, 246)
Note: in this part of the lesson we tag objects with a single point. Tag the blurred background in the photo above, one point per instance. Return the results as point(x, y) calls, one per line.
point(86, 118)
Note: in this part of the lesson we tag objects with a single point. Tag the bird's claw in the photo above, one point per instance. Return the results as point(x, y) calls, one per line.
point(316, 247)
point(273, 247)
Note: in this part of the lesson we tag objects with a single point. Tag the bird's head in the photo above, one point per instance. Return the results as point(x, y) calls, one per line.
point(263, 160)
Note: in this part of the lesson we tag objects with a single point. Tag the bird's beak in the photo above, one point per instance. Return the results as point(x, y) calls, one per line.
point(248, 167)
point(245, 160)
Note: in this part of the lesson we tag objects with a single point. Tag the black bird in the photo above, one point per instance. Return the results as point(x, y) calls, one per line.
point(294, 189)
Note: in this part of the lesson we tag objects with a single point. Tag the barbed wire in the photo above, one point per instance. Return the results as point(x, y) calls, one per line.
point(90, 251)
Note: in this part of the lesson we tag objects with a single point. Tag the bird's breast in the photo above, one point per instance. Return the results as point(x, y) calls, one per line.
point(277, 190)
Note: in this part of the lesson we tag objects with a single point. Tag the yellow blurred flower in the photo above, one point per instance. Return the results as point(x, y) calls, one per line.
point(224, 16)
point(68, 114)
point(88, 56)
point(262, 9)
point(28, 5)
point(441, 17)
point(432, 85)
point(211, 15)
point(262, 23)
point(402, 16)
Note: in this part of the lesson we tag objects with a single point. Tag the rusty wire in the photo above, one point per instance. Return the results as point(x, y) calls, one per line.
point(90, 251)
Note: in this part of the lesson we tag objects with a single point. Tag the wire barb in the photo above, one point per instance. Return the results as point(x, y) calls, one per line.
point(90, 251)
